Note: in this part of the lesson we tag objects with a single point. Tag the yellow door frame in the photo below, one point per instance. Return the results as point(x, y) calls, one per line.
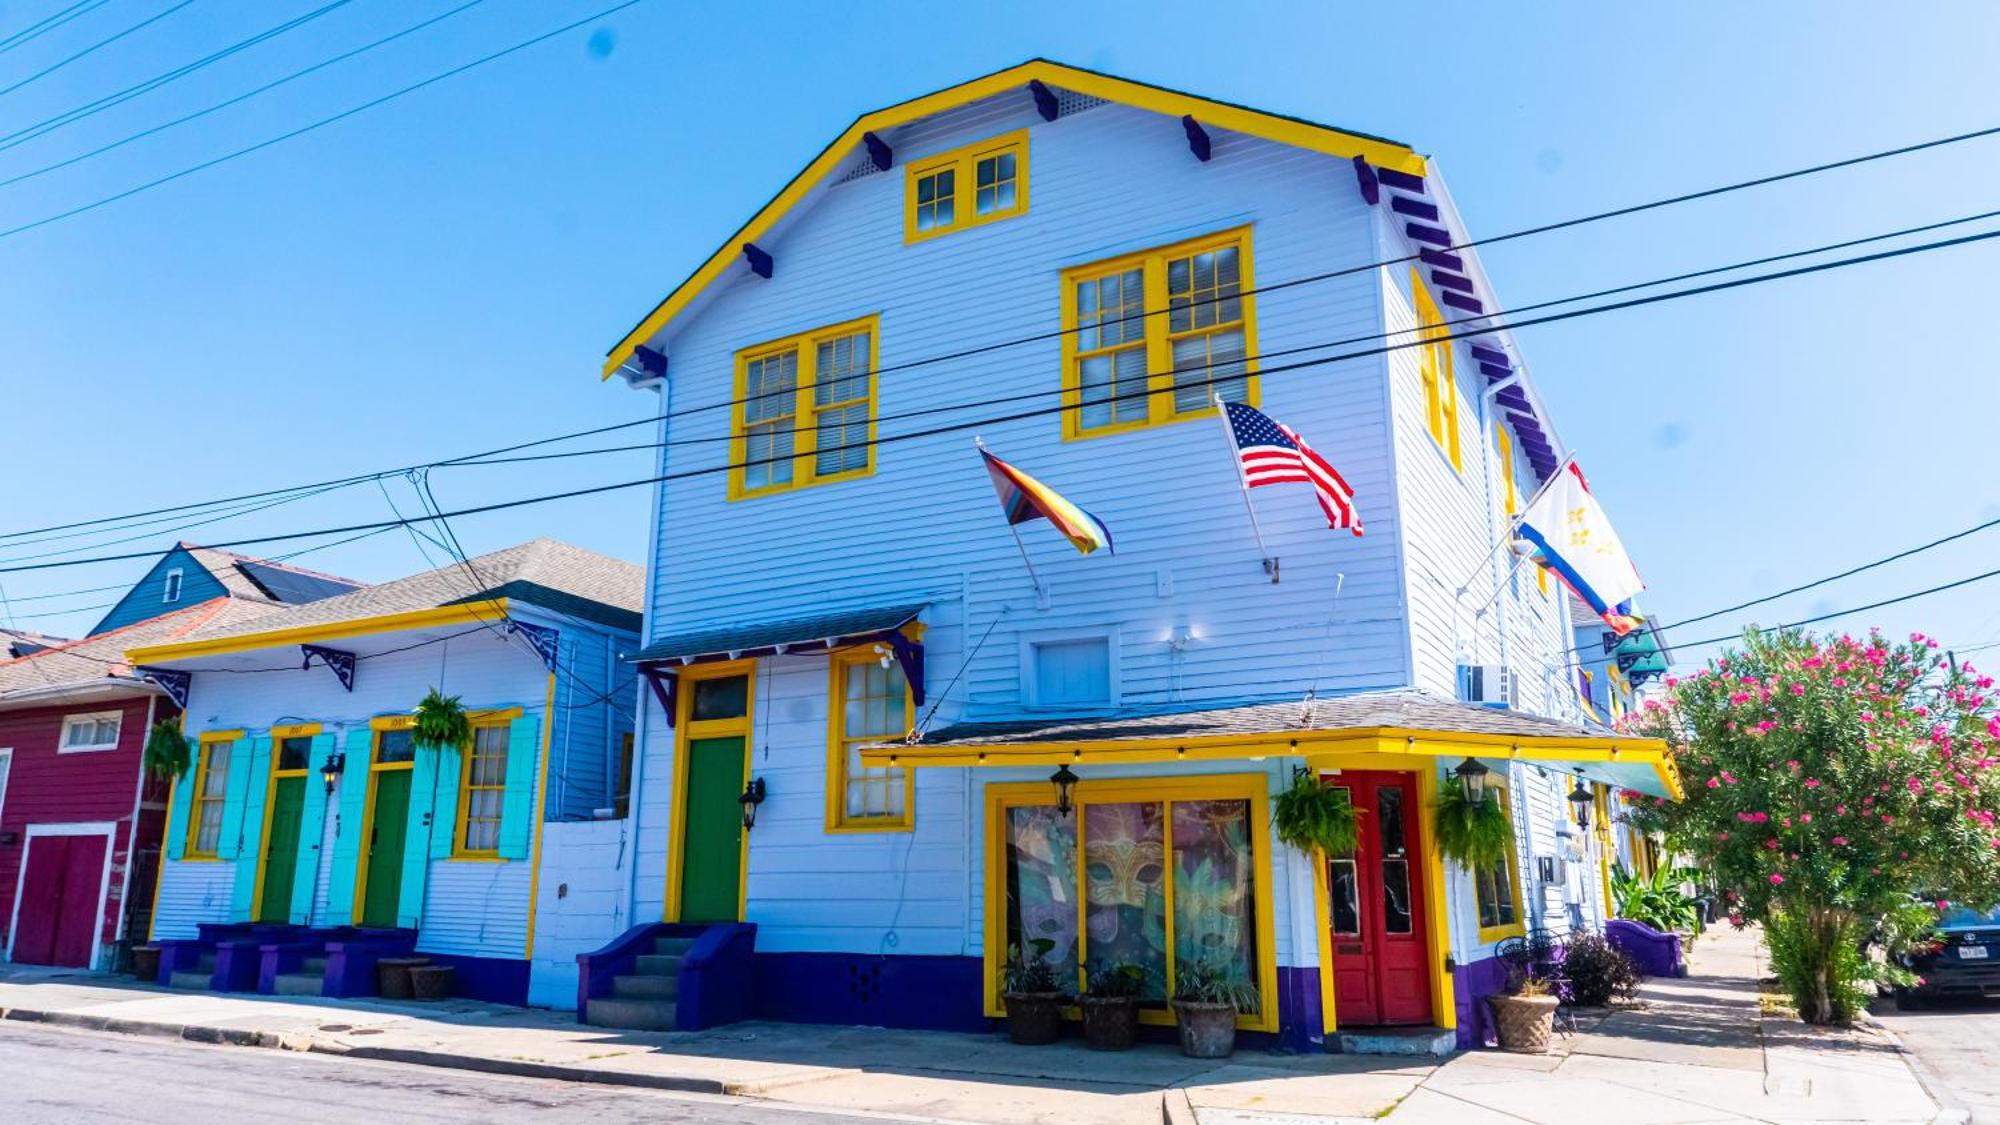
point(277, 736)
point(685, 731)
point(380, 725)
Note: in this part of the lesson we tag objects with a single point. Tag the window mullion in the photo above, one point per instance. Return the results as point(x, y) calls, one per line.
point(1159, 349)
point(805, 419)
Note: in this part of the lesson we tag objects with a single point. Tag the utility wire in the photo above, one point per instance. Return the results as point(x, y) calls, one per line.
point(93, 48)
point(49, 23)
point(956, 427)
point(1719, 638)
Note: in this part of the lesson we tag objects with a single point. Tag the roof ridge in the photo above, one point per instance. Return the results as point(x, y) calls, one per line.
point(213, 605)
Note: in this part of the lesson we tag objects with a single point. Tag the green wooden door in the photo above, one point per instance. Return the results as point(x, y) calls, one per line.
point(281, 849)
point(389, 824)
point(712, 830)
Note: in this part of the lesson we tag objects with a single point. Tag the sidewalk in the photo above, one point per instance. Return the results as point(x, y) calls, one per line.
point(1697, 1051)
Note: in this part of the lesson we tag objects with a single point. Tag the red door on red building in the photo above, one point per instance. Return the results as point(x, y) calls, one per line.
point(1381, 943)
point(60, 890)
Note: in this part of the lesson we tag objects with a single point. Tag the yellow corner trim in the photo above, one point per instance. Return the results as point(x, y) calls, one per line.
point(488, 610)
point(295, 730)
point(499, 715)
point(1172, 103)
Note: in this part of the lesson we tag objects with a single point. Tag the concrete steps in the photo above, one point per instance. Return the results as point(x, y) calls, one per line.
point(1413, 1042)
point(310, 980)
point(646, 998)
point(197, 978)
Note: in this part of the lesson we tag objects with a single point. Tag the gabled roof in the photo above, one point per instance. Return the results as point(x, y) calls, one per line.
point(247, 577)
point(96, 659)
point(541, 572)
point(1209, 112)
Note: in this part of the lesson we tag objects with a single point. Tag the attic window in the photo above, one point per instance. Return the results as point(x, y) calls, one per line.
point(172, 593)
point(980, 183)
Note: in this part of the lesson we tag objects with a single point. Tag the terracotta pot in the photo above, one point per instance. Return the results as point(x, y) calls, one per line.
point(1035, 1018)
point(431, 982)
point(392, 976)
point(146, 962)
point(1525, 1023)
point(1110, 1023)
point(1208, 1031)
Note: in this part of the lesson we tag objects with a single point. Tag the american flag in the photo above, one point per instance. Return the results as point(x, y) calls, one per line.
point(1271, 452)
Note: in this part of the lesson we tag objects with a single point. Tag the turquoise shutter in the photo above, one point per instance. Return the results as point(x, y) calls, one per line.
point(312, 829)
point(250, 845)
point(178, 803)
point(517, 808)
point(444, 811)
point(236, 790)
point(347, 844)
point(420, 832)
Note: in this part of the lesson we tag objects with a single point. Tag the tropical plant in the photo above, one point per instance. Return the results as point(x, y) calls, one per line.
point(1311, 815)
point(1031, 975)
point(1211, 982)
point(1474, 833)
point(167, 755)
point(1828, 778)
point(1661, 901)
point(1598, 972)
point(441, 721)
point(1118, 982)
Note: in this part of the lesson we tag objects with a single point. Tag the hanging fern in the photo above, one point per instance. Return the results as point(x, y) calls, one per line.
point(441, 722)
point(167, 755)
point(1312, 816)
point(1473, 833)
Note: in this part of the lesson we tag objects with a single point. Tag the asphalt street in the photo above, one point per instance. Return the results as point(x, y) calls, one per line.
point(51, 1076)
point(1957, 1044)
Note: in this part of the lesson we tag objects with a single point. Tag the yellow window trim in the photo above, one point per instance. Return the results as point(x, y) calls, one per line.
point(1503, 449)
point(1251, 787)
point(489, 720)
point(295, 730)
point(484, 715)
point(805, 433)
point(837, 820)
point(1158, 338)
point(963, 163)
point(687, 730)
point(1519, 925)
point(1434, 366)
point(191, 846)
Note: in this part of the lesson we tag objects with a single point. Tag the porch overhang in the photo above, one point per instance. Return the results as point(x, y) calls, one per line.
point(886, 625)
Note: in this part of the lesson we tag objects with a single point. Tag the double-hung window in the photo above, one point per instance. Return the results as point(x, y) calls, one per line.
point(805, 409)
point(1434, 367)
point(967, 187)
point(870, 703)
point(1497, 886)
point(211, 789)
point(482, 791)
point(1159, 335)
point(95, 731)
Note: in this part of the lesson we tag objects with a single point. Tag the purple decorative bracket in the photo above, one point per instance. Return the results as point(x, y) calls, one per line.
point(342, 663)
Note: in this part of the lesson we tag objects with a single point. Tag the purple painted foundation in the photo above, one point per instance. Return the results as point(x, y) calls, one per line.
point(1471, 985)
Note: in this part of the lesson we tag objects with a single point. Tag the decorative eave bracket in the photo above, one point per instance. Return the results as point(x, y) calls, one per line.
point(174, 683)
point(342, 663)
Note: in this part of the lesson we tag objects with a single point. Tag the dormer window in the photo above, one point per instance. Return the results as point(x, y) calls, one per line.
point(979, 183)
point(172, 592)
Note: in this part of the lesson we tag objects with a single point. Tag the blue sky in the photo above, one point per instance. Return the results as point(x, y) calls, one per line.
point(442, 274)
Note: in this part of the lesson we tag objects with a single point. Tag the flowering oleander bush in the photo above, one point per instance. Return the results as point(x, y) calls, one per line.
point(1827, 780)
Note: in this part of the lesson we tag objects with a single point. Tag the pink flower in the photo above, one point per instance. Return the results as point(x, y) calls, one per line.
point(1777, 879)
point(1840, 810)
point(1714, 783)
point(1840, 841)
point(1766, 727)
point(1798, 689)
point(1944, 904)
point(1867, 716)
point(1805, 818)
point(1771, 844)
point(1722, 835)
point(1812, 783)
point(1739, 698)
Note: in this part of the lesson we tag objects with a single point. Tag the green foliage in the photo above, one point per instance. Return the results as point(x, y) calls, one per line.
point(1311, 815)
point(1474, 833)
point(1211, 982)
point(1026, 974)
point(1661, 901)
point(167, 755)
point(1598, 972)
point(1118, 981)
point(441, 721)
point(1826, 779)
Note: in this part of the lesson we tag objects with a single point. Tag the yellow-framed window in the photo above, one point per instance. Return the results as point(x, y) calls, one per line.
point(966, 187)
point(1503, 449)
point(211, 791)
point(1434, 365)
point(1159, 335)
point(805, 409)
point(869, 702)
point(1497, 886)
point(482, 791)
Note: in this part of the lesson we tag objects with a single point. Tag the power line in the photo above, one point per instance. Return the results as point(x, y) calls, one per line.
point(319, 124)
point(1846, 612)
point(49, 23)
point(245, 96)
point(94, 47)
point(955, 427)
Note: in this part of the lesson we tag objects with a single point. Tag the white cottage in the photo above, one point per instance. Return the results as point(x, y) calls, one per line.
point(877, 751)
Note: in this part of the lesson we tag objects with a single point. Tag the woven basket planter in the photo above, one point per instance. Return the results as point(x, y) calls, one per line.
point(1035, 1018)
point(1207, 1031)
point(146, 962)
point(1525, 1023)
point(431, 982)
point(1110, 1023)
point(392, 976)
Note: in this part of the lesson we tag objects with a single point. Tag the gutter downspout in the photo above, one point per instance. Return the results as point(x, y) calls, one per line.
point(641, 724)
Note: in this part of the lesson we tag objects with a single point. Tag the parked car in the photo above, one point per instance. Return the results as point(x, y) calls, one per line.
point(1963, 959)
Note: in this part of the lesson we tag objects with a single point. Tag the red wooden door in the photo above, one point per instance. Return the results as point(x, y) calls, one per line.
point(1381, 944)
point(59, 895)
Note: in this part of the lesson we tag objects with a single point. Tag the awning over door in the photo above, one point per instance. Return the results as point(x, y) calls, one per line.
point(821, 633)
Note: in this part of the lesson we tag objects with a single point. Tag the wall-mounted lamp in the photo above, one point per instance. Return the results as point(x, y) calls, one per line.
point(1064, 781)
point(1580, 799)
point(884, 654)
point(330, 772)
point(753, 795)
point(1472, 779)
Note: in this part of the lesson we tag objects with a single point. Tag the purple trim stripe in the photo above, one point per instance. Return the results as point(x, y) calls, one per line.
point(1424, 233)
point(1404, 205)
point(1401, 181)
point(1461, 302)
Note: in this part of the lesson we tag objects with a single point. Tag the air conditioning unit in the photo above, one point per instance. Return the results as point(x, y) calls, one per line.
point(1489, 685)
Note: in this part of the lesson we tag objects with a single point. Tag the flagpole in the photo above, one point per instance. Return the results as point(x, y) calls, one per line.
point(1243, 483)
point(1040, 594)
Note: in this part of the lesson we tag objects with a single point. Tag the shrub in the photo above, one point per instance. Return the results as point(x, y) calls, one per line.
point(1598, 971)
point(1029, 975)
point(1817, 957)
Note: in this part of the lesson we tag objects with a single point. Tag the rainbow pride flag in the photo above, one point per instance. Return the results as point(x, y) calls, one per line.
point(1024, 498)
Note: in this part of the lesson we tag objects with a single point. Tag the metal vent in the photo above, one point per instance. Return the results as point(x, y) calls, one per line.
point(865, 168)
point(1068, 102)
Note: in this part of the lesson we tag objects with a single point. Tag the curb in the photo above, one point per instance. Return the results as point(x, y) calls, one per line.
point(1949, 1112)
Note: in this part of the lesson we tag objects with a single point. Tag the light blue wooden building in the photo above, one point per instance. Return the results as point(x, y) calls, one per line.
point(1072, 267)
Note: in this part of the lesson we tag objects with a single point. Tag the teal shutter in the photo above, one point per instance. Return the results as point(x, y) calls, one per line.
point(312, 829)
point(250, 841)
point(347, 842)
point(236, 790)
point(178, 803)
point(444, 812)
point(417, 841)
point(517, 808)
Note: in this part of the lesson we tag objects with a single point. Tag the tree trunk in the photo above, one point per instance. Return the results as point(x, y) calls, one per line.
point(1822, 937)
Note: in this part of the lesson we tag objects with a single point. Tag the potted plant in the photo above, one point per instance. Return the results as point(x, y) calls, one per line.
point(1312, 816)
point(1111, 1007)
point(1206, 1000)
point(1034, 995)
point(1525, 1019)
point(1471, 831)
point(167, 755)
point(441, 721)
